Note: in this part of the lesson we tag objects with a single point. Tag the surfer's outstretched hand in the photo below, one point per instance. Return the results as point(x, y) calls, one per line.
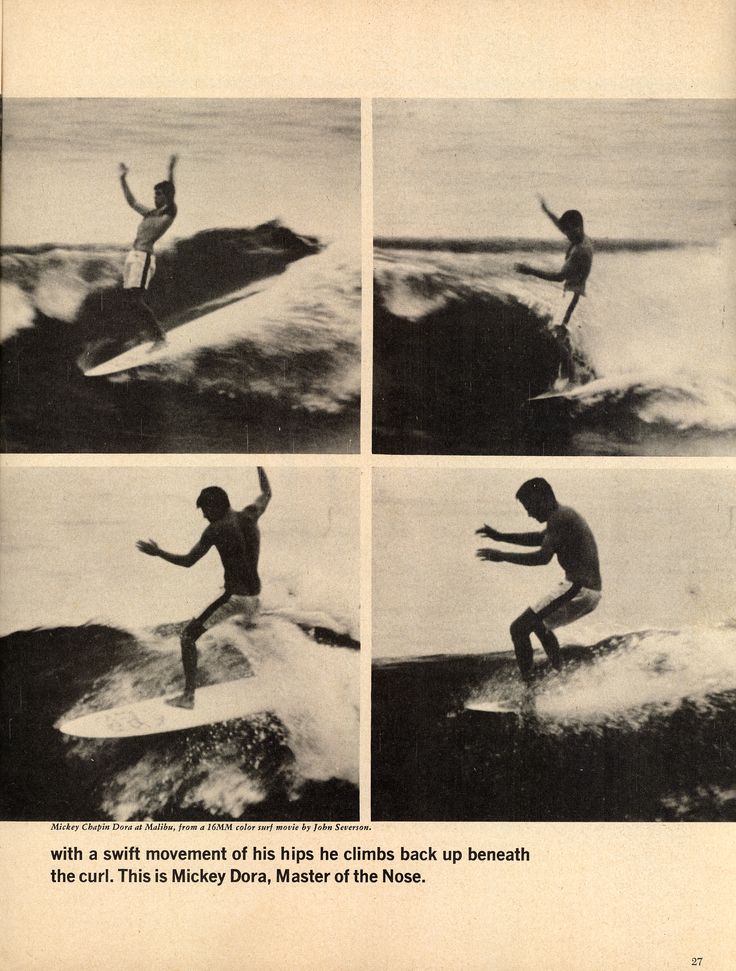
point(488, 531)
point(495, 556)
point(123, 168)
point(150, 547)
point(522, 268)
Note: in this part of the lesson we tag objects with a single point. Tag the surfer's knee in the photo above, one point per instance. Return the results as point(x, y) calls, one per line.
point(524, 624)
point(190, 634)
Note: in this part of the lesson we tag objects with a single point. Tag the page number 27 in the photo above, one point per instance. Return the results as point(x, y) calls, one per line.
point(696, 962)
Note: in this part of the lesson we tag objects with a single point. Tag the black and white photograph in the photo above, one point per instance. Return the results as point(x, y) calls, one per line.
point(554, 277)
point(181, 275)
point(367, 494)
point(141, 683)
point(554, 645)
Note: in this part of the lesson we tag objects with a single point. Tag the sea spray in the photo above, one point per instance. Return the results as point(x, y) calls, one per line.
point(634, 329)
point(649, 675)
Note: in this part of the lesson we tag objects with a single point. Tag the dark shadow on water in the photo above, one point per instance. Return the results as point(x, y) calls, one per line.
point(434, 760)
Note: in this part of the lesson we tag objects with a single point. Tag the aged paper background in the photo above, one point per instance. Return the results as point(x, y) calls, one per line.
point(593, 896)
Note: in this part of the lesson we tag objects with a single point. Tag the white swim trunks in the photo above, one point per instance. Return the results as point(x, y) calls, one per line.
point(139, 269)
point(566, 603)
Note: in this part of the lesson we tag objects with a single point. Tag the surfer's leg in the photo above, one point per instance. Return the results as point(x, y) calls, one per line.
point(550, 644)
point(520, 632)
point(188, 641)
point(563, 336)
point(568, 312)
point(189, 637)
point(147, 317)
point(555, 610)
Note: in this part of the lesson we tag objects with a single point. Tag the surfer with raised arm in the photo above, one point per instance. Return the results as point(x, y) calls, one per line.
point(574, 273)
point(236, 537)
point(140, 263)
point(566, 536)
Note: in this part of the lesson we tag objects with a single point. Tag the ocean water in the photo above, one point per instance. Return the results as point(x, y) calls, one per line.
point(90, 623)
point(241, 162)
point(268, 193)
point(640, 169)
point(656, 182)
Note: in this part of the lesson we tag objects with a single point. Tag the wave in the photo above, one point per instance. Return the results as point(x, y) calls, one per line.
point(81, 284)
point(462, 342)
point(273, 363)
point(633, 728)
point(297, 759)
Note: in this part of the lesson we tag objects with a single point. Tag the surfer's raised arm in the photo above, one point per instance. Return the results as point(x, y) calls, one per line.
point(258, 506)
point(550, 215)
point(151, 548)
point(172, 165)
point(129, 197)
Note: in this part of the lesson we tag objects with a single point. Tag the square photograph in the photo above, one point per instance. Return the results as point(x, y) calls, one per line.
point(208, 673)
point(181, 275)
point(554, 277)
point(554, 646)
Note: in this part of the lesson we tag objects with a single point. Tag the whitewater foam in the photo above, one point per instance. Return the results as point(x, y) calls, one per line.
point(652, 673)
point(658, 323)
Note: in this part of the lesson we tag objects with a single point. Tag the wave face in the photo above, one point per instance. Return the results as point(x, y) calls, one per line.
point(279, 370)
point(298, 759)
point(639, 727)
point(461, 342)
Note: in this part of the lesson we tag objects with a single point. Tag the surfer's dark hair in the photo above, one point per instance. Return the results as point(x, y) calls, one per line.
point(216, 498)
point(168, 189)
point(571, 219)
point(536, 488)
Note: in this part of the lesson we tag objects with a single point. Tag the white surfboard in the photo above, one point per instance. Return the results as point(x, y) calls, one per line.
point(494, 707)
point(596, 387)
point(212, 704)
point(181, 340)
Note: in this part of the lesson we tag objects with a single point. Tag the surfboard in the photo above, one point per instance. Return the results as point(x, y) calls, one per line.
point(546, 395)
point(591, 389)
point(212, 704)
point(496, 707)
point(181, 334)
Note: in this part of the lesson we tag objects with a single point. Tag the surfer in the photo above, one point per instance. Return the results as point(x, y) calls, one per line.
point(236, 537)
point(574, 274)
point(140, 263)
point(568, 537)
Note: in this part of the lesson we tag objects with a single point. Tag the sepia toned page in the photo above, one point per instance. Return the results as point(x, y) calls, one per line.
point(410, 371)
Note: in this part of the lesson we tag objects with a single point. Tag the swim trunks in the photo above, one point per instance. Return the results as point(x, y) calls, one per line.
point(566, 603)
point(139, 269)
point(226, 606)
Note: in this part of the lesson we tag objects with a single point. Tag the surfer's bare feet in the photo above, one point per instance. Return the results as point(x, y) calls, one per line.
point(184, 700)
point(156, 344)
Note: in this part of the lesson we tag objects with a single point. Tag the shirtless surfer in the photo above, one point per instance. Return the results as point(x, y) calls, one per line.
point(568, 537)
point(236, 537)
point(140, 263)
point(574, 273)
